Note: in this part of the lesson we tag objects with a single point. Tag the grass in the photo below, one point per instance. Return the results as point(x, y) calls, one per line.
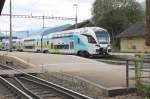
point(115, 49)
point(143, 88)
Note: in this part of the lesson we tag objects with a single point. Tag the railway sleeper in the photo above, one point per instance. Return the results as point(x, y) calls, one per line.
point(41, 92)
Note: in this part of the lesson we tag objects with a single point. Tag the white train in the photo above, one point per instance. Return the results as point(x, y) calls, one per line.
point(84, 42)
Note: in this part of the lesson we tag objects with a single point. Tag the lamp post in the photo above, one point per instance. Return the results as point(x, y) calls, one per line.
point(76, 16)
point(10, 38)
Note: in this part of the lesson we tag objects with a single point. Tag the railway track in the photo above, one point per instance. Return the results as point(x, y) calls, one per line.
point(9, 91)
point(32, 87)
point(3, 67)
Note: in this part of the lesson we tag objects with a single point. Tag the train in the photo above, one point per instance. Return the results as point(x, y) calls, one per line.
point(85, 42)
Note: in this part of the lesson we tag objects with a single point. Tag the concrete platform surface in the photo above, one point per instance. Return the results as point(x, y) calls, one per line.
point(100, 73)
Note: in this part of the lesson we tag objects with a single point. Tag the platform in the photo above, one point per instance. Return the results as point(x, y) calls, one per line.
point(14, 73)
point(107, 75)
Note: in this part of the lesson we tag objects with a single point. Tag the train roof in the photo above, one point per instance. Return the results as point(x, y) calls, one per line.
point(33, 37)
point(75, 30)
point(80, 29)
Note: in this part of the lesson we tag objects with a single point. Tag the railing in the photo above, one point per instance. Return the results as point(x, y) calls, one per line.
point(138, 69)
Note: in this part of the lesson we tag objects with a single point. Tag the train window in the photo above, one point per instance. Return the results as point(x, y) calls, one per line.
point(102, 35)
point(78, 40)
point(62, 35)
point(66, 46)
point(90, 39)
point(52, 46)
point(28, 47)
point(47, 42)
point(30, 40)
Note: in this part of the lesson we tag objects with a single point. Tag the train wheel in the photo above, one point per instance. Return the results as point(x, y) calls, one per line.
point(46, 51)
point(38, 51)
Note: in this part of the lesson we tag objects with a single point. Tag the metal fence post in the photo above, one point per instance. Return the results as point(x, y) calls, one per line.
point(127, 73)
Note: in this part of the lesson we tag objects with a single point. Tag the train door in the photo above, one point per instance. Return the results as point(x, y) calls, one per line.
point(91, 44)
point(71, 47)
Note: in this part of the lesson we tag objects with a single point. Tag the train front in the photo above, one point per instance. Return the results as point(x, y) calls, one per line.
point(103, 40)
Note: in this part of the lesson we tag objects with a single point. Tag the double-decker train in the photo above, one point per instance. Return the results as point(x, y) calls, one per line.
point(83, 42)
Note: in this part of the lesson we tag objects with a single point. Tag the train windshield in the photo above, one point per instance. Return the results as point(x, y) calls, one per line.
point(102, 36)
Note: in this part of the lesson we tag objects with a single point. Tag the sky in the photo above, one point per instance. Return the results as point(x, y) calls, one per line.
point(58, 8)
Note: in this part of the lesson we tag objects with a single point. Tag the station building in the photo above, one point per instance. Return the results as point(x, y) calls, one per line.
point(133, 39)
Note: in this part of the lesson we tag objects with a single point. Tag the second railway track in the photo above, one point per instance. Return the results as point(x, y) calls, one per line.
point(32, 87)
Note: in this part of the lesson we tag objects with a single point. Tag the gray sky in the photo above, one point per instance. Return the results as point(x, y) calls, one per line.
point(62, 8)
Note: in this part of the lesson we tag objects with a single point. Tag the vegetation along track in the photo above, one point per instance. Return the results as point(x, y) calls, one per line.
point(31, 87)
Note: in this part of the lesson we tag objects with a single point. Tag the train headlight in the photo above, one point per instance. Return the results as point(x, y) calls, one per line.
point(109, 46)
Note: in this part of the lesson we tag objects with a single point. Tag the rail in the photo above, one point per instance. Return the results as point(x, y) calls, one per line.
point(27, 90)
point(20, 94)
point(70, 93)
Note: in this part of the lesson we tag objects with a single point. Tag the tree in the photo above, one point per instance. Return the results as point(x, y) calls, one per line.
point(116, 15)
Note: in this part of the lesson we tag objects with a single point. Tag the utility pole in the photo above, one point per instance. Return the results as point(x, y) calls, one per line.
point(10, 38)
point(43, 18)
point(148, 22)
point(76, 16)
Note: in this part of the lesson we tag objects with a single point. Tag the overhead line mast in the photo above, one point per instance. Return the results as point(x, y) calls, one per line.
point(43, 18)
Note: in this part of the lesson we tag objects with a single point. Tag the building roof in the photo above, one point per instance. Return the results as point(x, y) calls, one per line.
point(1, 5)
point(136, 30)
